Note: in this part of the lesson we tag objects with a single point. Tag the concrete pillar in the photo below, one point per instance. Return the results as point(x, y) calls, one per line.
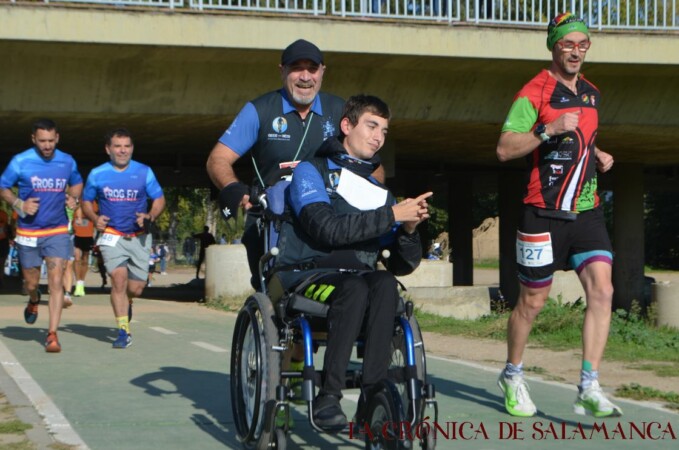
point(628, 234)
point(227, 273)
point(666, 299)
point(460, 219)
point(511, 185)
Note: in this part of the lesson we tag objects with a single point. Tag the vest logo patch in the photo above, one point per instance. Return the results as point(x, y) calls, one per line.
point(279, 124)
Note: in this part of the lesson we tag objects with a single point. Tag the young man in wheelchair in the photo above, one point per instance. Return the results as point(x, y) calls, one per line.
point(342, 219)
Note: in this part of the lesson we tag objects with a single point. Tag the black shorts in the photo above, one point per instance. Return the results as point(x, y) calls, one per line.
point(546, 244)
point(83, 243)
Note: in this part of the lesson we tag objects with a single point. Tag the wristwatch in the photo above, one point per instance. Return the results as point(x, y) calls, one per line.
point(540, 132)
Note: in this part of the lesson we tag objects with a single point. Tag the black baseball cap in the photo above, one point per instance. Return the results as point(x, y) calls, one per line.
point(301, 49)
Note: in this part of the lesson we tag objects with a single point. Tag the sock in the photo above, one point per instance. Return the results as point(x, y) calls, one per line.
point(80, 283)
point(511, 370)
point(123, 323)
point(587, 375)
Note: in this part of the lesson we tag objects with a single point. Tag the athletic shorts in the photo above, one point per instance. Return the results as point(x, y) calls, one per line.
point(547, 244)
point(83, 243)
point(131, 252)
point(57, 246)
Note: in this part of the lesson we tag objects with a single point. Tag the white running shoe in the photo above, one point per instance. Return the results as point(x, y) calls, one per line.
point(593, 402)
point(517, 399)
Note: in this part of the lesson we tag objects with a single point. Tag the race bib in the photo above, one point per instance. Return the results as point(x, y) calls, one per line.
point(27, 241)
point(108, 240)
point(534, 250)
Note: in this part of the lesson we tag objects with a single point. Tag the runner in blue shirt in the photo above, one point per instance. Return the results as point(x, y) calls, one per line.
point(122, 187)
point(47, 181)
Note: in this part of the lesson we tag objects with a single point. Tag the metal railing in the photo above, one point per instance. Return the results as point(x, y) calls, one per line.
point(151, 3)
point(599, 14)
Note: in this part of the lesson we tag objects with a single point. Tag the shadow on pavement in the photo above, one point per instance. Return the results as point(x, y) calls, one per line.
point(193, 291)
point(209, 393)
point(27, 333)
point(491, 400)
point(103, 334)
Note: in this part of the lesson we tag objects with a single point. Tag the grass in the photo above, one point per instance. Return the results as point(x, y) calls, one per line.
point(12, 430)
point(487, 264)
point(633, 337)
point(224, 303)
point(638, 392)
point(559, 327)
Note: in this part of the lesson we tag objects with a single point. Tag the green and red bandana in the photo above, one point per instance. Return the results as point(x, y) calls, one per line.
point(563, 24)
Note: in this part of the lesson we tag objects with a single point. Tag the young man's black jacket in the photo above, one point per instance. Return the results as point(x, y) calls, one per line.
point(326, 231)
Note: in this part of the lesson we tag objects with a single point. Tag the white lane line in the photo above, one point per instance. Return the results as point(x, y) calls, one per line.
point(162, 330)
point(54, 420)
point(212, 348)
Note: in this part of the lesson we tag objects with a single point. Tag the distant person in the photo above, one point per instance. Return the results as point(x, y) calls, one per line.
point(189, 250)
point(44, 175)
point(154, 258)
point(206, 239)
point(222, 239)
point(83, 241)
point(69, 273)
point(163, 255)
point(122, 188)
point(553, 124)
point(101, 267)
point(4, 244)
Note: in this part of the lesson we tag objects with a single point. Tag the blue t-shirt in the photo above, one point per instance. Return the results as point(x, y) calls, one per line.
point(46, 179)
point(122, 194)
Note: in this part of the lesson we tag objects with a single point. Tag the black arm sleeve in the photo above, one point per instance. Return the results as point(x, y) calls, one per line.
point(406, 253)
point(337, 230)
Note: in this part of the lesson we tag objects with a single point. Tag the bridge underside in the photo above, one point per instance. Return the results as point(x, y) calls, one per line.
point(177, 79)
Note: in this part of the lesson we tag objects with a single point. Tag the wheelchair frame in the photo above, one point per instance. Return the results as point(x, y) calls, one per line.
point(267, 326)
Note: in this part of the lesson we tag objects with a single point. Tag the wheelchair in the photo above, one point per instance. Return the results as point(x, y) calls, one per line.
point(274, 321)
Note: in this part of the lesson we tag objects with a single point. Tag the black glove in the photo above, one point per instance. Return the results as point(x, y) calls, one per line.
point(230, 197)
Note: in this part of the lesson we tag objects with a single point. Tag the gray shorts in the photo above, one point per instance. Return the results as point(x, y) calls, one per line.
point(57, 246)
point(130, 252)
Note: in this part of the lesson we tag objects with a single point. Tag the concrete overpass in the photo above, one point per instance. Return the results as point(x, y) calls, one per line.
point(178, 77)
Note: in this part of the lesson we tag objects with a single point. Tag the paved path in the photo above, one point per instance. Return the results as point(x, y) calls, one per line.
point(170, 390)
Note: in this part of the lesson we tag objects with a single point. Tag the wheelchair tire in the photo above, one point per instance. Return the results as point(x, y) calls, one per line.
point(398, 360)
point(281, 441)
point(255, 372)
point(385, 418)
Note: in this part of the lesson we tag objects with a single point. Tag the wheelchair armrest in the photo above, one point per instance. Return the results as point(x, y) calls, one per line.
point(308, 306)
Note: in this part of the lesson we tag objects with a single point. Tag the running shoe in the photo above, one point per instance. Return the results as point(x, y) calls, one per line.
point(79, 290)
point(124, 339)
point(67, 300)
point(52, 343)
point(31, 311)
point(593, 402)
point(517, 400)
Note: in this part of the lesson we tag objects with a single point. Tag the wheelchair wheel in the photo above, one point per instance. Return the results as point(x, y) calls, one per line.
point(281, 440)
point(398, 361)
point(385, 418)
point(255, 373)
